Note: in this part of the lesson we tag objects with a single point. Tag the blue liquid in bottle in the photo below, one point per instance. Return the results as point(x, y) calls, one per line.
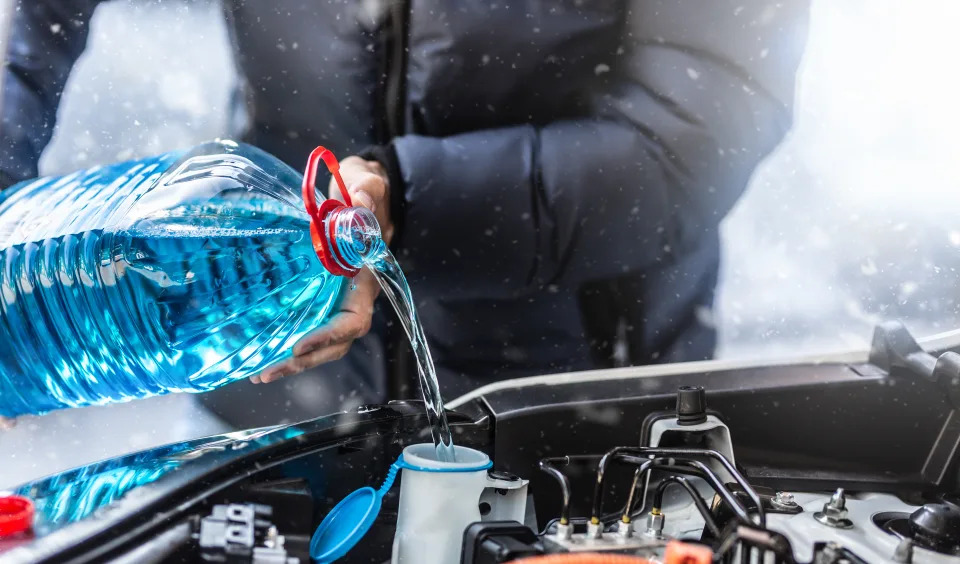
point(177, 273)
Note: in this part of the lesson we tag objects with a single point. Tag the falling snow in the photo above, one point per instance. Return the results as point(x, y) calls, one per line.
point(848, 223)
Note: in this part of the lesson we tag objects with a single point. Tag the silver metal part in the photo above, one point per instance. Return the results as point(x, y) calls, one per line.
point(636, 544)
point(831, 553)
point(713, 434)
point(564, 532)
point(784, 500)
point(865, 538)
point(834, 512)
point(655, 523)
point(594, 531)
point(271, 538)
point(716, 436)
point(507, 500)
point(624, 530)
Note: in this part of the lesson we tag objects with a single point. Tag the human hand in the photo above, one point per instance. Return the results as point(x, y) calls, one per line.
point(367, 183)
point(7, 424)
point(369, 188)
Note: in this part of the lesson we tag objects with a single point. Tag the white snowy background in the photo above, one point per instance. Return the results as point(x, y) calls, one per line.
point(854, 219)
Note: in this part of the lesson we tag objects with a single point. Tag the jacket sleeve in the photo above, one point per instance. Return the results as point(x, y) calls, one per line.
point(668, 145)
point(45, 38)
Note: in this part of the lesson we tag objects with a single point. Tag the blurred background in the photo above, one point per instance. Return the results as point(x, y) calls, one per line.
point(852, 220)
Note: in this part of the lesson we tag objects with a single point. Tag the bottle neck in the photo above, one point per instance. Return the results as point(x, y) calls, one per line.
point(353, 235)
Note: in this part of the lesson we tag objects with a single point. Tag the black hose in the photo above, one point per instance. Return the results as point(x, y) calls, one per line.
point(601, 470)
point(633, 510)
point(629, 509)
point(737, 476)
point(671, 452)
point(627, 513)
point(750, 538)
point(546, 465)
point(697, 500)
point(681, 467)
point(643, 464)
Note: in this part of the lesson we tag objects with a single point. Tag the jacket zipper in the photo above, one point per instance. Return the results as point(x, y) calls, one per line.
point(401, 375)
point(395, 90)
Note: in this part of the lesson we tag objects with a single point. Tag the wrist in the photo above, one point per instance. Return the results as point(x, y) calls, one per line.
point(386, 158)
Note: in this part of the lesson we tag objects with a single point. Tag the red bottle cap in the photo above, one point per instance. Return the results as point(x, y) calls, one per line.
point(328, 253)
point(16, 515)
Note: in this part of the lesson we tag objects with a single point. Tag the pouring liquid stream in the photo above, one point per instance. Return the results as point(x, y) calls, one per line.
point(356, 236)
point(394, 284)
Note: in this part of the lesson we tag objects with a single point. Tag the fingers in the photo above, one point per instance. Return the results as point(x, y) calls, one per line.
point(344, 327)
point(352, 322)
point(332, 341)
point(360, 298)
point(366, 182)
point(298, 364)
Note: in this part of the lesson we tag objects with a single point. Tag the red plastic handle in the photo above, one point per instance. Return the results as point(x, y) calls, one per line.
point(327, 253)
point(310, 178)
point(16, 515)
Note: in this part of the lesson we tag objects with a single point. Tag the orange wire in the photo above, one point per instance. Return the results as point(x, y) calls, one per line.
point(582, 558)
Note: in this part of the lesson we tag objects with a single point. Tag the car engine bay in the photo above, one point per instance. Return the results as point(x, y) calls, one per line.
point(807, 462)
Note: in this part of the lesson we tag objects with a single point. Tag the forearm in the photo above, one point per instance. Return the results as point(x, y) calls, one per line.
point(501, 212)
point(498, 213)
point(666, 146)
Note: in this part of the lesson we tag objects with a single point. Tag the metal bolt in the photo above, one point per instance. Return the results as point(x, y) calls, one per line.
point(784, 499)
point(655, 522)
point(834, 512)
point(564, 531)
point(831, 553)
point(594, 530)
point(270, 540)
point(625, 530)
point(838, 500)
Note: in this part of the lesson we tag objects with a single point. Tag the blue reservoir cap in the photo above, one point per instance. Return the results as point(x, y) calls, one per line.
point(345, 525)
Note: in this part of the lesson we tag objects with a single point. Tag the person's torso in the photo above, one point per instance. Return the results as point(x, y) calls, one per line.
point(350, 73)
